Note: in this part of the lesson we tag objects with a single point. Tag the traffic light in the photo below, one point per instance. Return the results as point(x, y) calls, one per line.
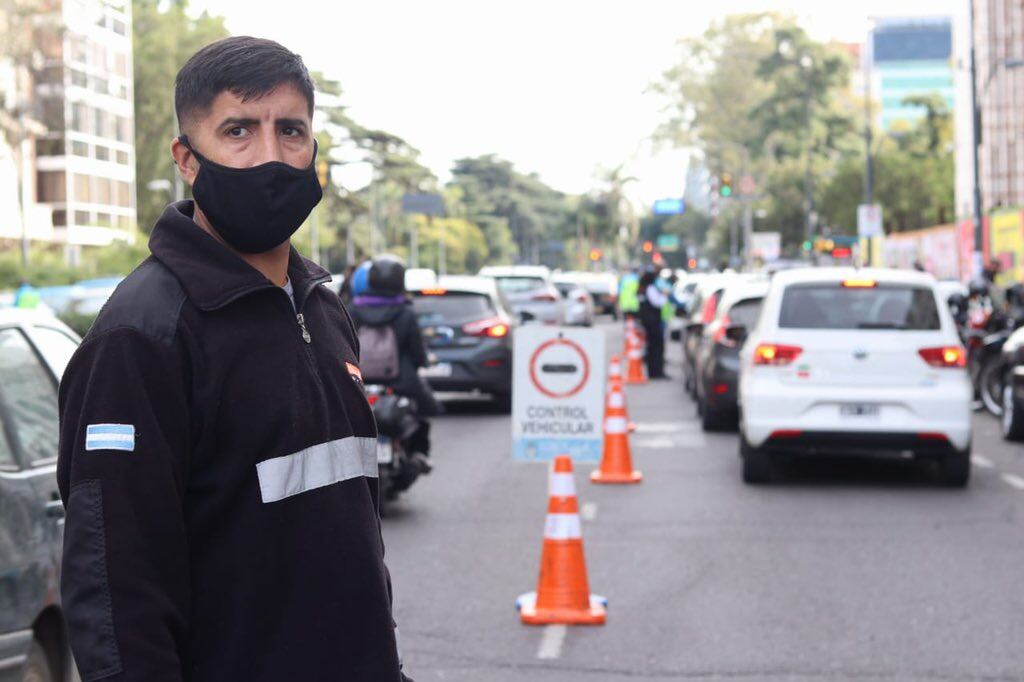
point(595, 255)
point(692, 264)
point(725, 186)
point(323, 172)
point(807, 245)
point(648, 247)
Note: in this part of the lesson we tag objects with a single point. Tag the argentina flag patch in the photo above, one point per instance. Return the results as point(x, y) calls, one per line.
point(110, 437)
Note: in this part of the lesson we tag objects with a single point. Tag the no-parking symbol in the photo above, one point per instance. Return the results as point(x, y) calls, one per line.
point(557, 393)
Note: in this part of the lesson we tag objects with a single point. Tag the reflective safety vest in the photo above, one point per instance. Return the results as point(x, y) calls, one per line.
point(629, 289)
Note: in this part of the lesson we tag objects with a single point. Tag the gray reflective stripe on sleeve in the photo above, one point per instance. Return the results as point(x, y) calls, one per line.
point(316, 467)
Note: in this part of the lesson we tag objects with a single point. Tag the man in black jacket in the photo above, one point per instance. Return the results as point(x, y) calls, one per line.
point(218, 456)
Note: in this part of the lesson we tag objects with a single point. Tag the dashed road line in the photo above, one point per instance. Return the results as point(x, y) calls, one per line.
point(983, 462)
point(1013, 480)
point(588, 512)
point(551, 642)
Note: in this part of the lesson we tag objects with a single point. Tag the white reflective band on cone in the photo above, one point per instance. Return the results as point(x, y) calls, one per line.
point(616, 399)
point(635, 355)
point(615, 425)
point(562, 527)
point(562, 485)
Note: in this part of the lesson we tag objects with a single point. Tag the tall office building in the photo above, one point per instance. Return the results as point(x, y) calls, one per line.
point(85, 164)
point(999, 46)
point(910, 57)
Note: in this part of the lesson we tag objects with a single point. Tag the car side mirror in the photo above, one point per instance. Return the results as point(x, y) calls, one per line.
point(526, 316)
point(737, 333)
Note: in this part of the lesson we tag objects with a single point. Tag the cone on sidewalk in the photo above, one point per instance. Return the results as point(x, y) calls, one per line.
point(634, 360)
point(616, 461)
point(563, 594)
point(615, 377)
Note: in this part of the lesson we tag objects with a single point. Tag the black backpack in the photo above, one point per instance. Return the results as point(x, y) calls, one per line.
point(378, 353)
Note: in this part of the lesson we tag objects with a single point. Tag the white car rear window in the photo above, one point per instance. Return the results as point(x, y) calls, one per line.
point(830, 305)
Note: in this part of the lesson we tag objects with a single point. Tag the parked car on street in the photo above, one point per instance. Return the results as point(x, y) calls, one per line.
point(529, 291)
point(604, 288)
point(717, 361)
point(579, 304)
point(859, 361)
point(35, 348)
point(702, 311)
point(467, 326)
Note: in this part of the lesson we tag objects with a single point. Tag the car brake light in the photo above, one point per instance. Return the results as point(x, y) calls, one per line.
point(434, 292)
point(786, 433)
point(859, 283)
point(719, 335)
point(372, 399)
point(944, 356)
point(775, 354)
point(544, 296)
point(581, 297)
point(493, 327)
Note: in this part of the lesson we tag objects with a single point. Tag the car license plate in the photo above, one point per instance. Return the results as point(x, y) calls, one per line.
point(859, 410)
point(385, 451)
point(441, 369)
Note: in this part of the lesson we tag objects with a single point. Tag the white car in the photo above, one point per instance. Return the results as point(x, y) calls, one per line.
point(529, 291)
point(579, 304)
point(858, 361)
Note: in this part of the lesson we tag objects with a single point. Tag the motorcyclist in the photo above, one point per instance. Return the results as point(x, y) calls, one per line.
point(379, 302)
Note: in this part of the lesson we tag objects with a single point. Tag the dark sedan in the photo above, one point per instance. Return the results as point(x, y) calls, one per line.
point(717, 360)
point(467, 327)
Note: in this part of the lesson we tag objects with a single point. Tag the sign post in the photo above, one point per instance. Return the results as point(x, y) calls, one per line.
point(558, 381)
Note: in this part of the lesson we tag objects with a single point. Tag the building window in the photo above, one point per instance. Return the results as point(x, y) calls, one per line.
point(79, 117)
point(50, 146)
point(103, 220)
point(124, 129)
point(121, 65)
point(82, 218)
point(79, 148)
point(124, 194)
point(83, 189)
point(101, 191)
point(102, 153)
point(122, 157)
point(124, 222)
point(50, 187)
point(79, 78)
point(60, 217)
point(79, 48)
point(119, 27)
point(100, 85)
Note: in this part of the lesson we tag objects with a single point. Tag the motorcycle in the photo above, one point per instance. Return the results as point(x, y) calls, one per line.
point(401, 441)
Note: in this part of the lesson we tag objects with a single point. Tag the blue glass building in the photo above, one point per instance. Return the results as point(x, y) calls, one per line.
point(911, 57)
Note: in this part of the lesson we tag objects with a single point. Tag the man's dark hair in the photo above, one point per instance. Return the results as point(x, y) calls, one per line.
point(245, 66)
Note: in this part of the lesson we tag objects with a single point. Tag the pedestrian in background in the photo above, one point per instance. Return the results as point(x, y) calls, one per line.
point(629, 291)
point(218, 456)
point(652, 299)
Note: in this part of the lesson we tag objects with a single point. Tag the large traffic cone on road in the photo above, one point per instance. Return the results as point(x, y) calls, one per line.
point(563, 594)
point(615, 377)
point(616, 462)
point(634, 359)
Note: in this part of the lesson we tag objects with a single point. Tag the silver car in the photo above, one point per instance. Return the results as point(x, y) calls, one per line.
point(579, 304)
point(530, 292)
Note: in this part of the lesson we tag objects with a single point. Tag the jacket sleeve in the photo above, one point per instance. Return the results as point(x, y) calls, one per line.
point(417, 349)
point(124, 439)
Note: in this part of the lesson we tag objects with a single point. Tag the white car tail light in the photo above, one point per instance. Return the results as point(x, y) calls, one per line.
point(775, 354)
point(944, 356)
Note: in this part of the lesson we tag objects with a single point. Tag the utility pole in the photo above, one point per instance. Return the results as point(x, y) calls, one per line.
point(975, 145)
point(869, 161)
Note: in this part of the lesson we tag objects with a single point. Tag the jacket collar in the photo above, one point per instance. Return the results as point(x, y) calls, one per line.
point(211, 274)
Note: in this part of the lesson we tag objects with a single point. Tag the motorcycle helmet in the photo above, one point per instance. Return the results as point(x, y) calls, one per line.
point(387, 276)
point(361, 279)
point(977, 288)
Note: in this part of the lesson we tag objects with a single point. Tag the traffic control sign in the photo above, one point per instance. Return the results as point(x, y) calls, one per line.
point(557, 393)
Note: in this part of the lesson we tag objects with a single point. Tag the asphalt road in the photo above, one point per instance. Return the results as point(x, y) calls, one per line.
point(845, 570)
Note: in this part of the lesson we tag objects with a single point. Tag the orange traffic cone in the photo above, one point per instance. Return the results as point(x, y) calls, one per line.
point(616, 462)
point(635, 360)
point(563, 595)
point(615, 377)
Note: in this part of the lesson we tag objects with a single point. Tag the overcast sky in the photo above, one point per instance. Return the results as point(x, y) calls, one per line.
point(557, 86)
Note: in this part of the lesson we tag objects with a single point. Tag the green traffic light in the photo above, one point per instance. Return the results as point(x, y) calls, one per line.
point(807, 246)
point(726, 191)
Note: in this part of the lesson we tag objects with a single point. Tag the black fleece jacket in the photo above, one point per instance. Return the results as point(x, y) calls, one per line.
point(218, 466)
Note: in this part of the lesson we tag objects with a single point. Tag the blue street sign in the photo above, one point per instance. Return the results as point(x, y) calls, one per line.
point(669, 207)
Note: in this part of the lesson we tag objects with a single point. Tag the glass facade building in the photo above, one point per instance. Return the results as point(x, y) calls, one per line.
point(911, 57)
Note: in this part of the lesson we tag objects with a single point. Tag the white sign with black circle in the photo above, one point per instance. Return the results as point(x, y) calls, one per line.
point(558, 381)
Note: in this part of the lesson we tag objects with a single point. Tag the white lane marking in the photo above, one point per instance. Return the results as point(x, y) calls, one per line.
point(588, 512)
point(552, 641)
point(1013, 480)
point(983, 462)
point(662, 427)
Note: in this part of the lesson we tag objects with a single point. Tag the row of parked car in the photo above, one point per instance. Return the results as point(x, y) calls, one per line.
point(819, 361)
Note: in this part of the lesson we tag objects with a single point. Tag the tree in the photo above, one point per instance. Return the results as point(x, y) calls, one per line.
point(165, 36)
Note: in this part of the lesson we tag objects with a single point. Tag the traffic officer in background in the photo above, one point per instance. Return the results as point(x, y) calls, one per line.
point(218, 456)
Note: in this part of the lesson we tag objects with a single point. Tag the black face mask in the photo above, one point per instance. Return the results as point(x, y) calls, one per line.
point(255, 209)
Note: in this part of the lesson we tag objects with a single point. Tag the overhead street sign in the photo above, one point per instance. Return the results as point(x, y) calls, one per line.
point(426, 204)
point(557, 392)
point(669, 207)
